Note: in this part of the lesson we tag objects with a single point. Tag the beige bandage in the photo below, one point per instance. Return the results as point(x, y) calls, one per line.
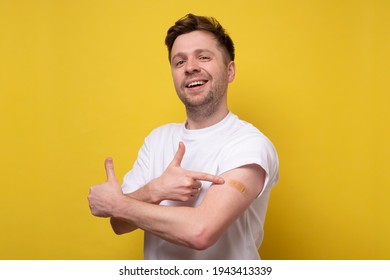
point(237, 185)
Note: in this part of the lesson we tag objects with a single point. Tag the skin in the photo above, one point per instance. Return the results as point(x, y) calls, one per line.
point(196, 56)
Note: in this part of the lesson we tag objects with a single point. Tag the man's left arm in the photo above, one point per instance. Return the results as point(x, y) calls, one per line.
point(196, 228)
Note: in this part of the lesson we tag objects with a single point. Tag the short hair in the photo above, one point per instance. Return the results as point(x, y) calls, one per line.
point(191, 23)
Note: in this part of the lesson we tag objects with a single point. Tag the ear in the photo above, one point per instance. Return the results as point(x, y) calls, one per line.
point(231, 71)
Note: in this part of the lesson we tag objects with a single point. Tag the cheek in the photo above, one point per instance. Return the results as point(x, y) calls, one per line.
point(176, 79)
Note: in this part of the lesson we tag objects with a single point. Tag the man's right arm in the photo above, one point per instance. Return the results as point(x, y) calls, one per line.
point(142, 194)
point(148, 193)
point(175, 184)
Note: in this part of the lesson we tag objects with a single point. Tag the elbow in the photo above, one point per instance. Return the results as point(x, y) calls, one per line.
point(201, 245)
point(117, 231)
point(202, 238)
point(120, 227)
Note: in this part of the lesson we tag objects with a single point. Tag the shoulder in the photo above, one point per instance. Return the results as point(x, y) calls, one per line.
point(247, 136)
point(248, 145)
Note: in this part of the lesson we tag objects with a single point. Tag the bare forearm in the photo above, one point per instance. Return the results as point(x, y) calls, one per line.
point(198, 227)
point(147, 193)
point(144, 194)
point(174, 184)
point(179, 225)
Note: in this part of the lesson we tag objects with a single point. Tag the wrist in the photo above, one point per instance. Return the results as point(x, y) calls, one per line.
point(153, 193)
point(119, 207)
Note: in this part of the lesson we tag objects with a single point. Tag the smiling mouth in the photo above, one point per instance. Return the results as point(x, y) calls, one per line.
point(196, 84)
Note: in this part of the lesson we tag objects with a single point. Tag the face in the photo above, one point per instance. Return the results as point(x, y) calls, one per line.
point(200, 72)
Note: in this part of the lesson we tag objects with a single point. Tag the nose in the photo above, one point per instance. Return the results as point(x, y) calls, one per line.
point(192, 66)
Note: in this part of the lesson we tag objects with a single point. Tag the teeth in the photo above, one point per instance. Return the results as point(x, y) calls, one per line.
point(197, 83)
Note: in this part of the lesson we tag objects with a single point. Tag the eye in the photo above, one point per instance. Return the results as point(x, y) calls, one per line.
point(204, 58)
point(178, 63)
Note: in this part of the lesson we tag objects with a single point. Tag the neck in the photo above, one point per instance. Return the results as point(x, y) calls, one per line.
point(199, 121)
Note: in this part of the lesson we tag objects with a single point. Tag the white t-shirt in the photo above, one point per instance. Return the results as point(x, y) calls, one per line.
point(224, 146)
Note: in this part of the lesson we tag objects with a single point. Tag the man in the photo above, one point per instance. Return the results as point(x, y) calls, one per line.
point(199, 190)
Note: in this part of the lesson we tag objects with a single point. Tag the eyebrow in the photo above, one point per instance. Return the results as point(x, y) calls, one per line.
point(197, 51)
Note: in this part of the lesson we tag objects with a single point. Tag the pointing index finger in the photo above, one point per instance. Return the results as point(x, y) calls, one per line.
point(207, 177)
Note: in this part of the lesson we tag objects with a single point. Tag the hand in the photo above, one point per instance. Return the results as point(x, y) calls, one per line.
point(179, 184)
point(103, 197)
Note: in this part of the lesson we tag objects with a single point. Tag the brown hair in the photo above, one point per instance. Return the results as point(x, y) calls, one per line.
point(191, 23)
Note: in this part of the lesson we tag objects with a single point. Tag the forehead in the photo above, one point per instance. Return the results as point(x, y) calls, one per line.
point(195, 40)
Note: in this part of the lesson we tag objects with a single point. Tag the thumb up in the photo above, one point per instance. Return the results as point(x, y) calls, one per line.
point(110, 173)
point(103, 197)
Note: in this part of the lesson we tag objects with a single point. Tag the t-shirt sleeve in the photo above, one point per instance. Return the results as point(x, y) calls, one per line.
point(252, 149)
point(138, 176)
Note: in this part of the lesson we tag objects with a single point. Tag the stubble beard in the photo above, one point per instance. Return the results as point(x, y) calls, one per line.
point(206, 107)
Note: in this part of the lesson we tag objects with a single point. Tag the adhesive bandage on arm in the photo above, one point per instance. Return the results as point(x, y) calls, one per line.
point(237, 185)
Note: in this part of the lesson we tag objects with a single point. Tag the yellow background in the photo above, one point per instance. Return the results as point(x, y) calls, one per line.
point(82, 80)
